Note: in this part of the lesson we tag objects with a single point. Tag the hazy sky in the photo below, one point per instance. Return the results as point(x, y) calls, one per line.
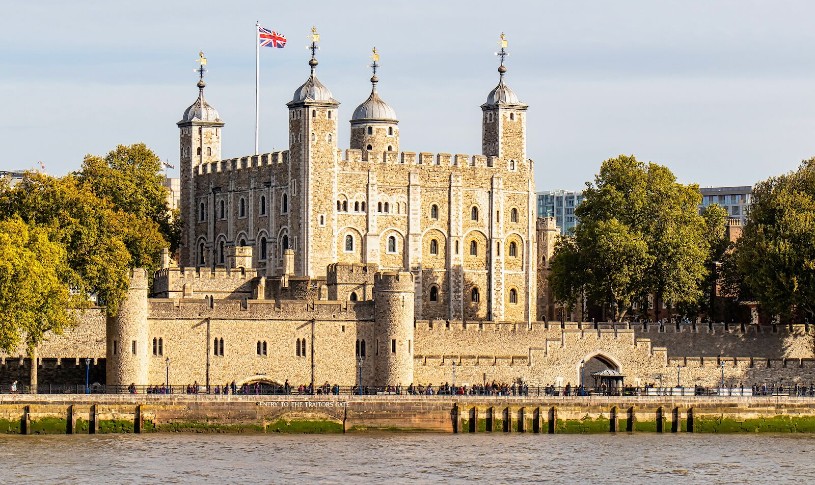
point(722, 92)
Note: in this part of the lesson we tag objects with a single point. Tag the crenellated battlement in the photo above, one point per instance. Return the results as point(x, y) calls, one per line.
point(259, 310)
point(178, 282)
point(351, 273)
point(391, 281)
point(427, 159)
point(241, 163)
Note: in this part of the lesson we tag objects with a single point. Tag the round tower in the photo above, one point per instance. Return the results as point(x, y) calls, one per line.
point(127, 335)
point(393, 329)
point(374, 127)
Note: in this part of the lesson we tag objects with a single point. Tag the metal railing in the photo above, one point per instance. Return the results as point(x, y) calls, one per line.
point(266, 389)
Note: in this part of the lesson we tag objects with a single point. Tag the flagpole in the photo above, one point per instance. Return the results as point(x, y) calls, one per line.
point(257, 84)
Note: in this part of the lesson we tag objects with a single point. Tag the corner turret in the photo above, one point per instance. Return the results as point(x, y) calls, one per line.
point(503, 131)
point(127, 335)
point(374, 126)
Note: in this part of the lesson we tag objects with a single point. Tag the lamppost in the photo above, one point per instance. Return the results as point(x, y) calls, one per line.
point(359, 373)
point(582, 367)
point(722, 387)
point(453, 386)
point(167, 369)
point(87, 375)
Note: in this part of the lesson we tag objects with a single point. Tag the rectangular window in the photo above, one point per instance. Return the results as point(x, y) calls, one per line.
point(115, 347)
point(134, 347)
point(393, 346)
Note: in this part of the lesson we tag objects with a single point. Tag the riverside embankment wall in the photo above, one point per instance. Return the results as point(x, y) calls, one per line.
point(32, 414)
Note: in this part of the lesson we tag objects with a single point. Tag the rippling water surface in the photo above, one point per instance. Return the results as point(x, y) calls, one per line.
point(403, 458)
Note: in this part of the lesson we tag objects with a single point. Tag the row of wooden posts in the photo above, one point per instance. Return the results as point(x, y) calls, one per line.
point(548, 424)
point(71, 418)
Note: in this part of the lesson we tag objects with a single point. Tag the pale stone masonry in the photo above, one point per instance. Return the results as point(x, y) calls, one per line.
point(314, 264)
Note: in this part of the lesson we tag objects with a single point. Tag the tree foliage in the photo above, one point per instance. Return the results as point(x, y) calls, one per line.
point(639, 234)
point(33, 296)
point(776, 254)
point(129, 178)
point(99, 218)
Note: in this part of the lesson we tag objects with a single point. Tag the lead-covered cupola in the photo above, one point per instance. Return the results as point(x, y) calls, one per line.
point(374, 126)
point(504, 119)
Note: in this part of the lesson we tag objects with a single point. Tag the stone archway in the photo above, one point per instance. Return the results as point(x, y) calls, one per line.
point(597, 363)
point(259, 384)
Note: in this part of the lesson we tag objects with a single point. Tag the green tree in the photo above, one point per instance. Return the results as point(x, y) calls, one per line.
point(639, 234)
point(34, 297)
point(776, 254)
point(130, 178)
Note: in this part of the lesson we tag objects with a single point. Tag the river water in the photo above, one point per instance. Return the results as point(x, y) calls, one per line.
point(408, 458)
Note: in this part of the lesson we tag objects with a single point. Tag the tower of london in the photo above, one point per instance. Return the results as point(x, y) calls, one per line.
point(380, 266)
point(463, 225)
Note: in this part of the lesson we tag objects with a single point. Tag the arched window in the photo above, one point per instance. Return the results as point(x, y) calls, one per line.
point(370, 131)
point(259, 347)
point(362, 348)
point(434, 247)
point(222, 209)
point(221, 347)
point(434, 293)
point(263, 249)
point(349, 242)
point(512, 116)
point(264, 347)
point(497, 216)
point(221, 252)
point(356, 206)
point(209, 151)
point(369, 147)
point(513, 215)
point(155, 346)
point(353, 296)
point(434, 211)
point(297, 346)
point(473, 248)
point(201, 254)
point(379, 207)
point(198, 151)
point(203, 212)
point(387, 208)
point(242, 208)
point(512, 164)
point(314, 113)
point(513, 250)
point(363, 206)
point(284, 244)
point(263, 205)
point(474, 295)
point(390, 148)
point(345, 206)
point(242, 243)
point(390, 131)
point(285, 203)
point(474, 213)
point(513, 295)
point(339, 206)
point(303, 347)
point(391, 244)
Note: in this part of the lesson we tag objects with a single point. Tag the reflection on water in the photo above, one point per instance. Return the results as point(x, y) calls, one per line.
point(403, 458)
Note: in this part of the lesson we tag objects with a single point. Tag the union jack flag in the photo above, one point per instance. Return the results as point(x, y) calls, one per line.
point(270, 38)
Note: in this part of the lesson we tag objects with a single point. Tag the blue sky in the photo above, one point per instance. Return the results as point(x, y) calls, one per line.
point(722, 92)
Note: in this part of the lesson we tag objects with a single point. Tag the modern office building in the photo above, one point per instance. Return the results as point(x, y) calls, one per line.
point(560, 204)
point(736, 200)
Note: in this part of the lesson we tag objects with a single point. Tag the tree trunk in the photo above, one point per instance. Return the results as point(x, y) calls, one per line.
point(32, 356)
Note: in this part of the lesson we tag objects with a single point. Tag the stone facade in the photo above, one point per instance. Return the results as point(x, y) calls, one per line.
point(311, 265)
